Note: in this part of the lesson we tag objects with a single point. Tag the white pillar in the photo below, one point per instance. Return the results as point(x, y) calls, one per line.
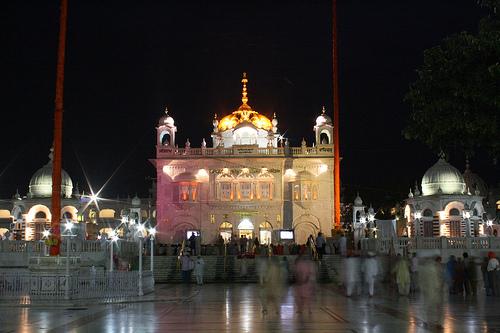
point(151, 250)
point(111, 255)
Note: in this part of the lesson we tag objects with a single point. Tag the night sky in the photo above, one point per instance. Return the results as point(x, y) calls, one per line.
point(127, 60)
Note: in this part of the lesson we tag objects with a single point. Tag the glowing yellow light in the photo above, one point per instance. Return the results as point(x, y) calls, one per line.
point(322, 168)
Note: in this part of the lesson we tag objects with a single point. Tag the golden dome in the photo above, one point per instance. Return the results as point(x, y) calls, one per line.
point(244, 114)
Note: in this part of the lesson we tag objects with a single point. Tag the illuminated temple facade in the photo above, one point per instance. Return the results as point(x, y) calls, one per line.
point(248, 182)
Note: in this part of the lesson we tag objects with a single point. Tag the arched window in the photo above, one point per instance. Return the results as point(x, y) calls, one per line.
point(454, 212)
point(165, 139)
point(324, 139)
point(427, 213)
point(475, 212)
point(67, 215)
point(40, 215)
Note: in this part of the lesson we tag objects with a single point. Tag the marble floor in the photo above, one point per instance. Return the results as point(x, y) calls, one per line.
point(238, 308)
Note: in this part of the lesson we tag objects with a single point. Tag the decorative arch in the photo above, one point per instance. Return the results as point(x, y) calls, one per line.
point(427, 213)
point(107, 213)
point(179, 232)
point(69, 212)
point(454, 212)
point(165, 138)
point(304, 226)
point(454, 206)
point(38, 209)
point(324, 137)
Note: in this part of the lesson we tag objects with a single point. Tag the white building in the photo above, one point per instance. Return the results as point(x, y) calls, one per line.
point(249, 182)
point(446, 206)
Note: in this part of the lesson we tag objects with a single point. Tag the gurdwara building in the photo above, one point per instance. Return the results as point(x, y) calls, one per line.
point(249, 181)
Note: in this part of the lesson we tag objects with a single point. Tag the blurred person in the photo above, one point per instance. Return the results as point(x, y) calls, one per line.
point(243, 267)
point(261, 267)
point(492, 270)
point(305, 278)
point(450, 274)
point(458, 283)
point(484, 271)
point(469, 268)
point(369, 268)
point(414, 273)
point(430, 280)
point(273, 287)
point(402, 274)
point(284, 266)
point(343, 245)
point(352, 275)
point(199, 267)
point(187, 266)
point(320, 245)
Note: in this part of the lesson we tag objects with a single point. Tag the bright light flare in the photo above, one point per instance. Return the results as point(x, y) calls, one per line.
point(141, 228)
point(152, 231)
point(69, 225)
point(112, 234)
point(46, 233)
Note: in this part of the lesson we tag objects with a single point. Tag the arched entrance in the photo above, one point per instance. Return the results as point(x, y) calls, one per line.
point(265, 233)
point(245, 228)
point(303, 230)
point(226, 231)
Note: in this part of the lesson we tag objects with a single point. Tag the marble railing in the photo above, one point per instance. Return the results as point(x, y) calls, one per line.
point(76, 246)
point(398, 244)
point(245, 151)
point(89, 285)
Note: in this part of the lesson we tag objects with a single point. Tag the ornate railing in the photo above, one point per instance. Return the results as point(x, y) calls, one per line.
point(90, 285)
point(76, 246)
point(399, 244)
point(244, 150)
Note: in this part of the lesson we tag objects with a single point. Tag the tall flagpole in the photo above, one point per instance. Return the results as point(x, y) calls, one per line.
point(336, 106)
point(58, 116)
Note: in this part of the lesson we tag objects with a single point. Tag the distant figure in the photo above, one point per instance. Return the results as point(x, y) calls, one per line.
point(305, 278)
point(352, 275)
point(273, 287)
point(199, 267)
point(402, 273)
point(256, 245)
point(343, 245)
point(187, 266)
point(469, 270)
point(320, 245)
point(493, 267)
point(284, 269)
point(414, 273)
point(450, 274)
point(243, 244)
point(192, 243)
point(370, 271)
point(430, 280)
point(261, 267)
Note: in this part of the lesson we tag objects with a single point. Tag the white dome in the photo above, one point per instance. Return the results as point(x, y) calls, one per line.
point(323, 119)
point(136, 201)
point(442, 178)
point(41, 183)
point(358, 201)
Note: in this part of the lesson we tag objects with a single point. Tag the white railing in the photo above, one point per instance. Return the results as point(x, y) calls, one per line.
point(53, 286)
point(398, 244)
point(243, 150)
point(76, 246)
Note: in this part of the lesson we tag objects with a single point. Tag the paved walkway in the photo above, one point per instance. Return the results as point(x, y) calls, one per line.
point(237, 308)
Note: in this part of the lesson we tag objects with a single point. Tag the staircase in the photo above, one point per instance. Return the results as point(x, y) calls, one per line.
point(167, 270)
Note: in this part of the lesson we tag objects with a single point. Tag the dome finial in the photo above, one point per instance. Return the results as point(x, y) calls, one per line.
point(442, 155)
point(323, 110)
point(166, 110)
point(51, 155)
point(244, 80)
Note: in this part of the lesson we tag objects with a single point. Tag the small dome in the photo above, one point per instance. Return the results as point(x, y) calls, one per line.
point(136, 201)
point(473, 182)
point(41, 183)
point(358, 201)
point(442, 178)
point(323, 118)
point(166, 119)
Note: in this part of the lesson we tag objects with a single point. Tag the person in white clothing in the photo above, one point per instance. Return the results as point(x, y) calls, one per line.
point(199, 267)
point(352, 275)
point(370, 271)
point(343, 245)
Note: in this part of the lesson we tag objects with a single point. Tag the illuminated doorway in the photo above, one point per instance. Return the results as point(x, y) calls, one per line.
point(245, 228)
point(265, 233)
point(226, 231)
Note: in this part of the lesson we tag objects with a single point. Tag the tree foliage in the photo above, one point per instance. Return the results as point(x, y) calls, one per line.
point(455, 100)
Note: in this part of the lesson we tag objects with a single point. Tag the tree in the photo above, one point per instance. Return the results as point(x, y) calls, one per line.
point(455, 101)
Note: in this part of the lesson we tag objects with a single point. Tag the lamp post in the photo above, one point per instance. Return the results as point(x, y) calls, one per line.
point(45, 235)
point(466, 214)
point(152, 233)
point(68, 234)
point(140, 230)
point(112, 238)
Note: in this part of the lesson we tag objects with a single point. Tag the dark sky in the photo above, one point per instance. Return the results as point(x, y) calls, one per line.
point(127, 60)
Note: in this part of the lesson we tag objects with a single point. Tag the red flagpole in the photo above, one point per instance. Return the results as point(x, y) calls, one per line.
point(58, 116)
point(336, 106)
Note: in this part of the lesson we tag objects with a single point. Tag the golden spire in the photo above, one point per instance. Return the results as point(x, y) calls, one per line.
point(244, 97)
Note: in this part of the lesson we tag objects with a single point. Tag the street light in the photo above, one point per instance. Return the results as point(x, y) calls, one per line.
point(152, 233)
point(112, 238)
point(45, 235)
point(68, 234)
point(140, 229)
